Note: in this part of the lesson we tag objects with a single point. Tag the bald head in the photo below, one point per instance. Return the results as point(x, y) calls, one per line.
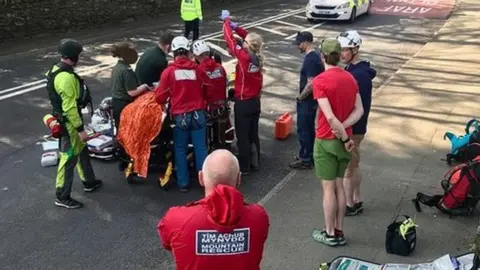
point(220, 167)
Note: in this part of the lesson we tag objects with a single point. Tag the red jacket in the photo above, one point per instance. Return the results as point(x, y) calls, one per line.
point(181, 82)
point(218, 232)
point(248, 74)
point(214, 79)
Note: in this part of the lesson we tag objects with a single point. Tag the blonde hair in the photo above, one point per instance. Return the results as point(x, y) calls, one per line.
point(255, 42)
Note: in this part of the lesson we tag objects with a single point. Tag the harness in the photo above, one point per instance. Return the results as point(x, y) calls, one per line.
point(84, 99)
point(217, 109)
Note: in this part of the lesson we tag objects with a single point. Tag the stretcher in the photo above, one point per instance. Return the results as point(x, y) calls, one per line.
point(161, 148)
point(446, 262)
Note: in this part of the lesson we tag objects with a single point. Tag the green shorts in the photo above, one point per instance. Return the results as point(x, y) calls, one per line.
point(330, 159)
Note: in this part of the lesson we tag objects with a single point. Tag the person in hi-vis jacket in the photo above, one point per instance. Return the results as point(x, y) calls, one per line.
point(191, 13)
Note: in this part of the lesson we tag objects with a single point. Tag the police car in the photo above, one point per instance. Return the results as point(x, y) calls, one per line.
point(341, 10)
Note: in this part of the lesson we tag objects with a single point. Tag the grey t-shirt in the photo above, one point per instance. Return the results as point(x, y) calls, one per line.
point(123, 80)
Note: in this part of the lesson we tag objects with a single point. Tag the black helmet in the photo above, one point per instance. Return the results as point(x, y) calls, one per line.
point(70, 48)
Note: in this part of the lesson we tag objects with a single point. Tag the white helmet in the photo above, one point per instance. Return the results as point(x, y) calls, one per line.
point(349, 39)
point(199, 47)
point(180, 43)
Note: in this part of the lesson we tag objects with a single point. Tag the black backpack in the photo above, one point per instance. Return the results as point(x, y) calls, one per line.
point(85, 97)
point(400, 242)
point(467, 152)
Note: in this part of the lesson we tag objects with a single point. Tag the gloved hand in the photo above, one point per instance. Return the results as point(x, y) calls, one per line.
point(233, 25)
point(200, 20)
point(225, 14)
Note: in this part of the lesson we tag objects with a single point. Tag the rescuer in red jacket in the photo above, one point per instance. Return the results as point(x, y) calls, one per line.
point(220, 231)
point(248, 86)
point(182, 86)
point(214, 79)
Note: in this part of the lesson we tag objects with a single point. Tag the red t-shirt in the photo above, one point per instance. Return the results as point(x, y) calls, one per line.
point(341, 89)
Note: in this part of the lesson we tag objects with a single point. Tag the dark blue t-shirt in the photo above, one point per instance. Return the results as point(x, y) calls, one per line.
point(311, 67)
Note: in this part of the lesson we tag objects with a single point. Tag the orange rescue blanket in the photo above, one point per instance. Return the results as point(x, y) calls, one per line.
point(140, 123)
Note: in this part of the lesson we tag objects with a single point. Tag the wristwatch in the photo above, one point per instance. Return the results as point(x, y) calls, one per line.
point(347, 140)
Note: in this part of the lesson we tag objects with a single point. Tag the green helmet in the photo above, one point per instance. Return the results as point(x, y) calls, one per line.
point(70, 48)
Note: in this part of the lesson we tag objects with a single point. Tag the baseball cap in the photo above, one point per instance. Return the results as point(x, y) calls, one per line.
point(330, 45)
point(303, 37)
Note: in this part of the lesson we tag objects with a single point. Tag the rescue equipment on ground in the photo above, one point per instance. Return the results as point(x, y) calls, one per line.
point(283, 126)
point(164, 180)
point(51, 122)
point(50, 155)
point(446, 262)
point(461, 187)
point(101, 146)
point(459, 144)
point(401, 237)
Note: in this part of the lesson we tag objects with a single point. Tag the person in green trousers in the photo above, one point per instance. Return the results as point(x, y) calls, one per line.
point(67, 92)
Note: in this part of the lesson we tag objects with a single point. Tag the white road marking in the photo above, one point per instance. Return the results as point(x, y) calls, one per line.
point(219, 49)
point(290, 24)
point(306, 29)
point(217, 39)
point(79, 70)
point(271, 31)
point(300, 17)
point(276, 189)
point(259, 22)
point(96, 68)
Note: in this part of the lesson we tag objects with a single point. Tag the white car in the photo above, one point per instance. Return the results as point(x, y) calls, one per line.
point(340, 10)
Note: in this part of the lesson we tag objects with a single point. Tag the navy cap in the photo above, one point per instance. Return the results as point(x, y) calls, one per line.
point(303, 37)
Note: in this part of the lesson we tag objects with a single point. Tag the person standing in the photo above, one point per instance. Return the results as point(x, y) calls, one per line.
point(154, 61)
point(364, 74)
point(181, 85)
point(248, 87)
point(241, 229)
point(306, 105)
point(65, 90)
point(214, 79)
point(336, 92)
point(125, 87)
point(191, 12)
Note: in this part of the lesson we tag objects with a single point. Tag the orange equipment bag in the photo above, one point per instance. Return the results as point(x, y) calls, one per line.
point(283, 126)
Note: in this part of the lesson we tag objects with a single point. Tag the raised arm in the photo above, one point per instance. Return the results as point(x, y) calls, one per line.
point(232, 45)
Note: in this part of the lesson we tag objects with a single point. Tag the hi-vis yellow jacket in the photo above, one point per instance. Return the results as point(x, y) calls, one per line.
point(357, 3)
point(191, 10)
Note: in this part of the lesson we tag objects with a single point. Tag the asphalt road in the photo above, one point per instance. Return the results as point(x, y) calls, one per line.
point(116, 229)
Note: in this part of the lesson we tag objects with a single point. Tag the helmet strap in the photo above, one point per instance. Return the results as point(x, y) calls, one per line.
point(353, 55)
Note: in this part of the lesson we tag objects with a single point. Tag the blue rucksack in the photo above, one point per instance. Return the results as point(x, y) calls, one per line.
point(466, 146)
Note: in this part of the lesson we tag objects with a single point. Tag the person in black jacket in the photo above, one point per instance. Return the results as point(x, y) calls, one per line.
point(350, 42)
point(154, 61)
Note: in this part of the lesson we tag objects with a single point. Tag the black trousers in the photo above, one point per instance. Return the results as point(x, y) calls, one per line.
point(192, 26)
point(247, 116)
point(217, 127)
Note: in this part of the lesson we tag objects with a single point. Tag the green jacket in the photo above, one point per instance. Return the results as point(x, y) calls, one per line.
point(67, 86)
point(191, 10)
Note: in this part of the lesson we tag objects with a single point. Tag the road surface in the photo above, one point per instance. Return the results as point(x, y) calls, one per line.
point(116, 229)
